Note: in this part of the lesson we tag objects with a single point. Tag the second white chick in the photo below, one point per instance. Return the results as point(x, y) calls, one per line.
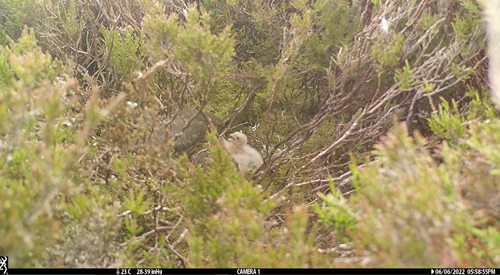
point(246, 156)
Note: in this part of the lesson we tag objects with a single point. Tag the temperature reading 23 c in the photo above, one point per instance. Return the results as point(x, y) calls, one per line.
point(123, 271)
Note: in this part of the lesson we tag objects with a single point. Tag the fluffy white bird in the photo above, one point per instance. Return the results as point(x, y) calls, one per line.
point(246, 156)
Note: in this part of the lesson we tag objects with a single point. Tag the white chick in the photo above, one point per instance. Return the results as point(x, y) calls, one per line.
point(246, 156)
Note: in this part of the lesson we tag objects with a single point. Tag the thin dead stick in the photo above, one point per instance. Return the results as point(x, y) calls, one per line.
point(333, 145)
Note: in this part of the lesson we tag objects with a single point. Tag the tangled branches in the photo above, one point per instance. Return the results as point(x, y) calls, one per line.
point(381, 74)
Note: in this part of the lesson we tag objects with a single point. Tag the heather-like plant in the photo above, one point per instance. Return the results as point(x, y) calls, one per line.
point(412, 209)
point(314, 84)
point(39, 196)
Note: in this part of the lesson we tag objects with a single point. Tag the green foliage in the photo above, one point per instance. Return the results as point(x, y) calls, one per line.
point(190, 42)
point(480, 107)
point(467, 20)
point(461, 72)
point(14, 15)
point(220, 187)
point(27, 63)
point(38, 169)
point(124, 51)
point(488, 245)
point(406, 199)
point(32, 172)
point(318, 81)
point(416, 200)
point(403, 207)
point(135, 203)
point(448, 123)
point(427, 20)
point(199, 51)
point(388, 54)
point(404, 76)
point(70, 21)
point(227, 221)
point(336, 213)
point(484, 140)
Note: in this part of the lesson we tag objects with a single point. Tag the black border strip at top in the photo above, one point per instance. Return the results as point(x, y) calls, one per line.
point(248, 271)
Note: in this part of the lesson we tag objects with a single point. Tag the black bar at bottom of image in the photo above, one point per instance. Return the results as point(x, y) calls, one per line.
point(248, 271)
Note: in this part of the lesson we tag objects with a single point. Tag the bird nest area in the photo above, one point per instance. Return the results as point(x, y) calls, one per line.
point(146, 87)
point(397, 65)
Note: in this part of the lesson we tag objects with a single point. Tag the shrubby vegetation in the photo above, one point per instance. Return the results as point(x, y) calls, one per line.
point(374, 118)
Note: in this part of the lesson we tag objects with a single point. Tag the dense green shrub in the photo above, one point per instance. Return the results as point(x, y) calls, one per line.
point(314, 84)
point(412, 209)
point(42, 207)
